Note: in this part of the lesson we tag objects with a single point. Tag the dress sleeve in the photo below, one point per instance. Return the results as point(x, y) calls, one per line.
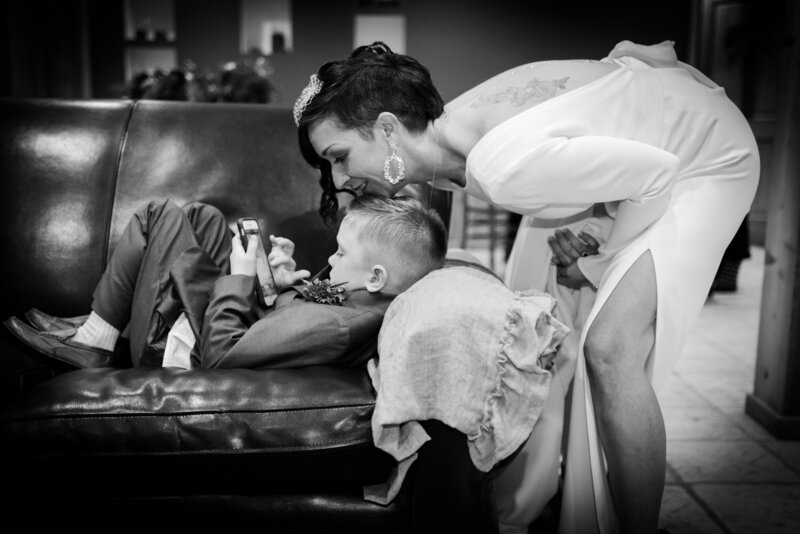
point(581, 171)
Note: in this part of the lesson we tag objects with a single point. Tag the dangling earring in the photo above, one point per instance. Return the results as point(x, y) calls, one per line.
point(387, 165)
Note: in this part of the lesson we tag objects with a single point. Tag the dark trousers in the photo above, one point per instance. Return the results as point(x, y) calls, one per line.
point(136, 289)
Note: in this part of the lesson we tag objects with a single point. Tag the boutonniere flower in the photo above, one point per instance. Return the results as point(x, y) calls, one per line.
point(323, 292)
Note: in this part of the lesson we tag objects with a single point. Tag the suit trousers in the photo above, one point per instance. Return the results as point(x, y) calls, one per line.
point(136, 290)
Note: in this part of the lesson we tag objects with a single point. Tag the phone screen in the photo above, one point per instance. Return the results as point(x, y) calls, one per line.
point(266, 283)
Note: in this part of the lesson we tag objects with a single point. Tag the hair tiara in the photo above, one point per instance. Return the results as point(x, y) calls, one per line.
point(379, 48)
point(311, 90)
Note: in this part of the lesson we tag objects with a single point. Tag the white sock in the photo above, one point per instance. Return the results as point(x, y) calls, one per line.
point(96, 332)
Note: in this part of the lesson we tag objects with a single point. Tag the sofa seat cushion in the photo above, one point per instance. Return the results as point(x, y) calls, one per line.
point(274, 428)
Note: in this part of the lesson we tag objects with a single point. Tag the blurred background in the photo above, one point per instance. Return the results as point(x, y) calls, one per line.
point(82, 48)
point(265, 50)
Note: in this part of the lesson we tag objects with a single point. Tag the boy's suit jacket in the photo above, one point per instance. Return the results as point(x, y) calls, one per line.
point(236, 331)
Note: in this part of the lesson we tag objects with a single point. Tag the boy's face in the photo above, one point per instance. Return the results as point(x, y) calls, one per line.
point(351, 262)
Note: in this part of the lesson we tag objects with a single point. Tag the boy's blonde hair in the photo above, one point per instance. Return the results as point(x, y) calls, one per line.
point(402, 232)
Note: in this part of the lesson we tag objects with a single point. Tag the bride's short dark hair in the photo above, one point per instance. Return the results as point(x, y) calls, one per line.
point(355, 90)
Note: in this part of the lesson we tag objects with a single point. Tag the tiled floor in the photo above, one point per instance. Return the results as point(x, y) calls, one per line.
point(725, 473)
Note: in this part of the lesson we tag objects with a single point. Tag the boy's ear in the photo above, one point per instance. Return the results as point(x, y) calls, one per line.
point(377, 279)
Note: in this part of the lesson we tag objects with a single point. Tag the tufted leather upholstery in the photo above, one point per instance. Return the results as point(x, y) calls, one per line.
point(289, 450)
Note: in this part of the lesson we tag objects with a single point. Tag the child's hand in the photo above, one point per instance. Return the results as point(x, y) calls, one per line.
point(282, 263)
point(243, 262)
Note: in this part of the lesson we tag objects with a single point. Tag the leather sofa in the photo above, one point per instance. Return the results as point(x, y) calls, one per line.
point(288, 450)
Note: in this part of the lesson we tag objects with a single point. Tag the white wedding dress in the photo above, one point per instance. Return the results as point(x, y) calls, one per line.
point(676, 165)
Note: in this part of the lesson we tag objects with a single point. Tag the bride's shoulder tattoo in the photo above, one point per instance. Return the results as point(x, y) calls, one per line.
point(534, 91)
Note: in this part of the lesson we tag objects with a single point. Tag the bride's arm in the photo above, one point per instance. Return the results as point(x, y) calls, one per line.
point(586, 170)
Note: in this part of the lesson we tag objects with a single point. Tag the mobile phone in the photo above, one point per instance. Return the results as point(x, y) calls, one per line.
point(265, 287)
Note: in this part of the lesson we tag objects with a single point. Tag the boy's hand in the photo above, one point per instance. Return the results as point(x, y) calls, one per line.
point(243, 262)
point(282, 263)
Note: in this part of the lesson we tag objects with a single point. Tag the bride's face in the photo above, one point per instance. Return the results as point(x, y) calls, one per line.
point(356, 162)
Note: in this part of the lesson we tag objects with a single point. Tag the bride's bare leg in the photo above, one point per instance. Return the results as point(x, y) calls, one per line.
point(628, 414)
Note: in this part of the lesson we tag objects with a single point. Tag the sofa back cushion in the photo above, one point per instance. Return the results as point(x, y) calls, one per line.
point(57, 163)
point(241, 158)
point(74, 172)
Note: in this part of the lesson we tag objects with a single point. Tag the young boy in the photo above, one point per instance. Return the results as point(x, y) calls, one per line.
point(167, 282)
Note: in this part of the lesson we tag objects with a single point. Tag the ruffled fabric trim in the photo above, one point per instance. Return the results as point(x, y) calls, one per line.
point(462, 348)
point(526, 351)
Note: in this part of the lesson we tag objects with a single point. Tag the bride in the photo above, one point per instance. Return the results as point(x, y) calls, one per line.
point(633, 172)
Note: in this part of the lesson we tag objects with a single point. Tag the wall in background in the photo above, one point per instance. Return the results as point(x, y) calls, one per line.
point(207, 32)
point(42, 46)
point(461, 42)
point(464, 43)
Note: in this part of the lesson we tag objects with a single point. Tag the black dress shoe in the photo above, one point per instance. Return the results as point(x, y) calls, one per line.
point(59, 346)
point(49, 323)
